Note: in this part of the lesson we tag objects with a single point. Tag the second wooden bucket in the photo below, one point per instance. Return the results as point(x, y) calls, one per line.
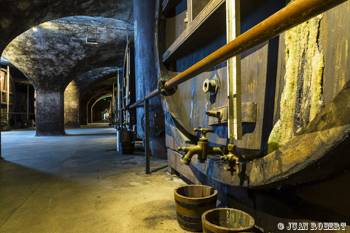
point(227, 220)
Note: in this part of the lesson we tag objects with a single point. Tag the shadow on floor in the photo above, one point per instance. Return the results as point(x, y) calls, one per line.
point(97, 134)
point(158, 169)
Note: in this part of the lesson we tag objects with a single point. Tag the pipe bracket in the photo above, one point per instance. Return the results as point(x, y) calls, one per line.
point(162, 89)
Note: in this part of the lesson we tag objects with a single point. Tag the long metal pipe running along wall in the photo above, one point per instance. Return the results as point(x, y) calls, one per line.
point(288, 17)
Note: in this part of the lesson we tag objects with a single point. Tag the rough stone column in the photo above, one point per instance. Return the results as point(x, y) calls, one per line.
point(71, 106)
point(88, 111)
point(145, 72)
point(49, 112)
point(83, 114)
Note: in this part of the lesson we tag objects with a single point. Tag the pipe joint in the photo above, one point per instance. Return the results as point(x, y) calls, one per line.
point(211, 85)
point(161, 86)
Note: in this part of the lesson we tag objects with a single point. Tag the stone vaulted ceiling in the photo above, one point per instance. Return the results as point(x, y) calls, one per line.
point(17, 16)
point(57, 52)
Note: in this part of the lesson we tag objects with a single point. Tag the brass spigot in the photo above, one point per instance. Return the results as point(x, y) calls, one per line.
point(190, 151)
point(202, 149)
point(233, 160)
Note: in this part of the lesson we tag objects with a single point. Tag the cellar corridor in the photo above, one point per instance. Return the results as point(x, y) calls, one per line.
point(69, 184)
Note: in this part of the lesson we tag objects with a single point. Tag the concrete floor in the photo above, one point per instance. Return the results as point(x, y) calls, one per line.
point(79, 183)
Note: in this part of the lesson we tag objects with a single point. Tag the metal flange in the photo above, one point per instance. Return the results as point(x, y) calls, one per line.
point(162, 89)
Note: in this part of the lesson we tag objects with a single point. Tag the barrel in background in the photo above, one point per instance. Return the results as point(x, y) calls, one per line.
point(125, 141)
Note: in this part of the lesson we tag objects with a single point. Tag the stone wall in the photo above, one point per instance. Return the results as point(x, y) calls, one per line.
point(71, 106)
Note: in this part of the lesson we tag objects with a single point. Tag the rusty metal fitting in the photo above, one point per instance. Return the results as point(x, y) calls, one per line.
point(164, 91)
point(210, 86)
point(217, 114)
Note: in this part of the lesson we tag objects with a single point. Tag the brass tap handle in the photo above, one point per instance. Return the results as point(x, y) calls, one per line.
point(204, 131)
point(179, 149)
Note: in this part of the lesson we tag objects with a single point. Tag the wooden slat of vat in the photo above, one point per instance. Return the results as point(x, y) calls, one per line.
point(174, 163)
point(199, 32)
point(168, 5)
point(335, 44)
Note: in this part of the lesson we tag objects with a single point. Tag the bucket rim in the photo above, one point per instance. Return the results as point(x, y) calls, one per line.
point(206, 222)
point(195, 198)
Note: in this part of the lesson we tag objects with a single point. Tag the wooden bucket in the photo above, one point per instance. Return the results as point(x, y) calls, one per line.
point(227, 220)
point(191, 202)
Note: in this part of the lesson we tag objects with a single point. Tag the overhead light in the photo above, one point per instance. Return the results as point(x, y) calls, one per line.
point(91, 40)
point(35, 29)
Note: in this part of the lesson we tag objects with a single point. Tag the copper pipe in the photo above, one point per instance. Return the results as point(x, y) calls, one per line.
point(134, 105)
point(288, 17)
point(154, 93)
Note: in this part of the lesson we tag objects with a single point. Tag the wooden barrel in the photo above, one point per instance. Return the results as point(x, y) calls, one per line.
point(227, 220)
point(191, 202)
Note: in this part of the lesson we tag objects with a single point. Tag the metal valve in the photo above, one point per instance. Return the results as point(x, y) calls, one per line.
point(202, 149)
point(233, 160)
point(204, 131)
